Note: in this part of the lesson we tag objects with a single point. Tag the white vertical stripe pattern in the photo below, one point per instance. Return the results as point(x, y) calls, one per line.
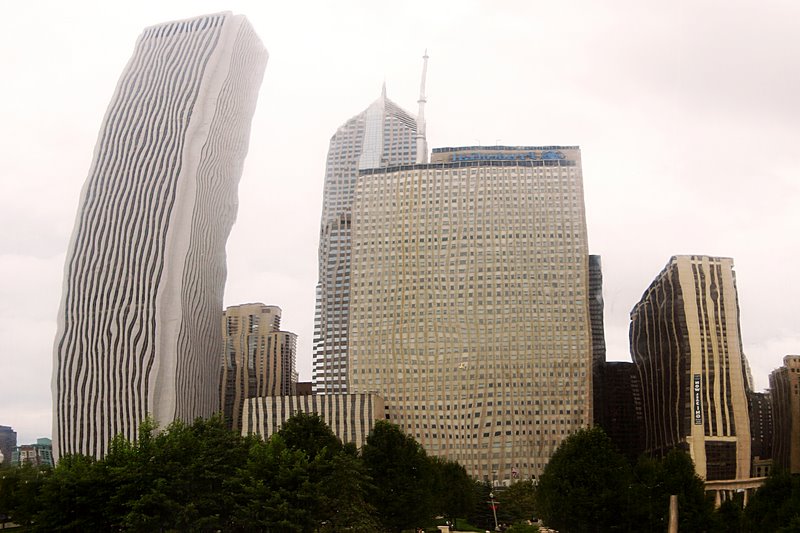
point(351, 417)
point(146, 258)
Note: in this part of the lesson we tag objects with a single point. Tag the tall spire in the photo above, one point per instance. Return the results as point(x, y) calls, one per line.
point(383, 90)
point(422, 143)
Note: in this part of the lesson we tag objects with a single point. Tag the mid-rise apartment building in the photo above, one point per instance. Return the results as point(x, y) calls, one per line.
point(258, 359)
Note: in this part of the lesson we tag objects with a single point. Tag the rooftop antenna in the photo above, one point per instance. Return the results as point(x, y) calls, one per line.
point(422, 143)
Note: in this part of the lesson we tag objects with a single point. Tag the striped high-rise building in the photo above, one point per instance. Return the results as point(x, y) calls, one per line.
point(784, 384)
point(258, 359)
point(351, 417)
point(469, 306)
point(138, 326)
point(381, 136)
point(686, 344)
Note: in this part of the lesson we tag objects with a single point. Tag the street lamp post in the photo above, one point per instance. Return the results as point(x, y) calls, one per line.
point(494, 510)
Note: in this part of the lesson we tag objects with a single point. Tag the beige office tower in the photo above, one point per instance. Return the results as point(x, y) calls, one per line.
point(686, 344)
point(138, 326)
point(784, 384)
point(259, 358)
point(469, 303)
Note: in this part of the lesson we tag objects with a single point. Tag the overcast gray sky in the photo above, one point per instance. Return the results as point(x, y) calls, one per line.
point(687, 115)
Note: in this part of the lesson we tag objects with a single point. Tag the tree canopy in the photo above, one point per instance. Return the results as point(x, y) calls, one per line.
point(403, 476)
point(584, 486)
point(204, 477)
point(589, 486)
point(776, 505)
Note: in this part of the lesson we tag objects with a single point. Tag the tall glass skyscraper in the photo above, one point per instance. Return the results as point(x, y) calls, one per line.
point(138, 326)
point(382, 135)
point(469, 307)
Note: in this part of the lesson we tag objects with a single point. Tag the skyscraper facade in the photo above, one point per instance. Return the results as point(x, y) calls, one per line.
point(469, 303)
point(784, 384)
point(383, 135)
point(138, 326)
point(596, 307)
point(258, 360)
point(618, 409)
point(686, 344)
point(761, 432)
point(8, 441)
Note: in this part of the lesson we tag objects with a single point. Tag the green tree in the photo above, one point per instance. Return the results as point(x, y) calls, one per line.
point(775, 506)
point(481, 512)
point(401, 472)
point(453, 491)
point(75, 496)
point(584, 486)
point(19, 491)
point(728, 518)
point(647, 500)
point(343, 494)
point(309, 433)
point(654, 481)
point(338, 476)
point(277, 493)
point(179, 478)
point(518, 501)
point(792, 527)
point(679, 477)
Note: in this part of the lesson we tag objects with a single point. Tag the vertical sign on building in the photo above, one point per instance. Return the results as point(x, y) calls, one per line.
point(698, 415)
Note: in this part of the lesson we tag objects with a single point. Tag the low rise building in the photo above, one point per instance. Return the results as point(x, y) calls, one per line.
point(351, 417)
point(39, 454)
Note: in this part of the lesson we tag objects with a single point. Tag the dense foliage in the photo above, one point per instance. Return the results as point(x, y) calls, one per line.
point(203, 477)
point(584, 485)
point(775, 506)
point(589, 486)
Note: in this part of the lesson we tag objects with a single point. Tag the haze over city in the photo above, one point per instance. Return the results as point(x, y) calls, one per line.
point(686, 116)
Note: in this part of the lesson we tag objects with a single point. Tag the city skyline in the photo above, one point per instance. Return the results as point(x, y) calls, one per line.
point(687, 134)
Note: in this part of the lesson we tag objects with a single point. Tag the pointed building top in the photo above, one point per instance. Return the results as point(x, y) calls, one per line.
point(422, 142)
point(422, 100)
point(383, 90)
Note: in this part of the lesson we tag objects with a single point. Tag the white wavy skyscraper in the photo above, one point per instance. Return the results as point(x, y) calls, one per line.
point(382, 135)
point(138, 327)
